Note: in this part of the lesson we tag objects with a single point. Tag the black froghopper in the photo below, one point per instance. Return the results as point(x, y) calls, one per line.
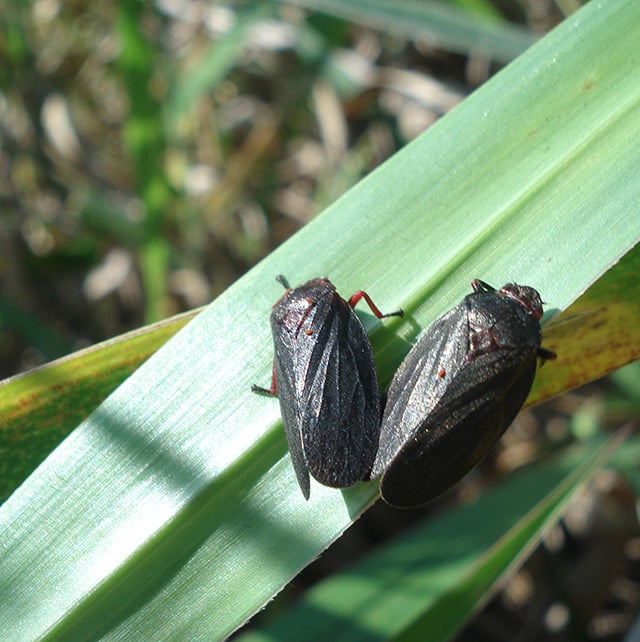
point(325, 378)
point(457, 391)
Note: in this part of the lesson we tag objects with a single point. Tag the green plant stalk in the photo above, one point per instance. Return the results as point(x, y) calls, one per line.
point(145, 139)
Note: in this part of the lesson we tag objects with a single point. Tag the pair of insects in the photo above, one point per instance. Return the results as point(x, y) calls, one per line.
point(456, 392)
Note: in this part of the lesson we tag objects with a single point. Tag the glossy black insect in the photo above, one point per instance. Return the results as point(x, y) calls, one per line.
point(457, 391)
point(325, 378)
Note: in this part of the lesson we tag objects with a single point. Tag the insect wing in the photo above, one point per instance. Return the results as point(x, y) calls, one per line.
point(420, 382)
point(340, 408)
point(294, 323)
point(327, 387)
point(287, 375)
point(456, 393)
point(479, 405)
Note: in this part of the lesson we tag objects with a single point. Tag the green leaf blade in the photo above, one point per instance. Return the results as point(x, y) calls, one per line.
point(443, 24)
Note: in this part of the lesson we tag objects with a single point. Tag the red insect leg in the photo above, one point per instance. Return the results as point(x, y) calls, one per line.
point(361, 294)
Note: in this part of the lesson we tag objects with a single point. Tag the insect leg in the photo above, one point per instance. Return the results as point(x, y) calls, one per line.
point(481, 286)
point(361, 294)
point(546, 355)
point(283, 281)
point(273, 390)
